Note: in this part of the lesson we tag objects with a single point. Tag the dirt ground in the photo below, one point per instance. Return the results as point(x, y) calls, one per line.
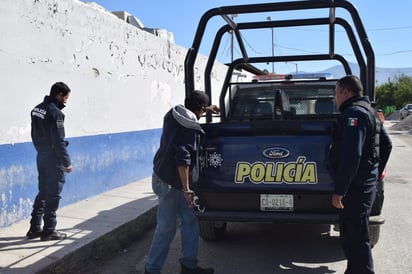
point(399, 125)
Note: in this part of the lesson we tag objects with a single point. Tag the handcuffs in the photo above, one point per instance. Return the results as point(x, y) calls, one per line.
point(195, 201)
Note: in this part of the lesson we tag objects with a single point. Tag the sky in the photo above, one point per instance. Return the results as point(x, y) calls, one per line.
point(388, 25)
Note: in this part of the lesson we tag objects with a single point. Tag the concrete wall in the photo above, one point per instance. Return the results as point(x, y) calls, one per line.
point(123, 80)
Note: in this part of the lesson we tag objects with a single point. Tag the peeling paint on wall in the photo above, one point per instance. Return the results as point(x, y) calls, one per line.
point(122, 79)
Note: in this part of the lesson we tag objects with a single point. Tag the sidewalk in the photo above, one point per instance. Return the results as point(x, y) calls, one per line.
point(94, 226)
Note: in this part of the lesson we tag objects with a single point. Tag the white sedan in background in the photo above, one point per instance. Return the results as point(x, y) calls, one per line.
point(405, 111)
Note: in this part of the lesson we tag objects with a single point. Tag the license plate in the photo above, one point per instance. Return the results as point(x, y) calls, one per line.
point(276, 202)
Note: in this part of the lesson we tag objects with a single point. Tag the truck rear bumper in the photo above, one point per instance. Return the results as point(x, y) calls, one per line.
point(278, 217)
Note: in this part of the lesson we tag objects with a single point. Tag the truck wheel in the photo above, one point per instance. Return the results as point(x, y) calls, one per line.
point(212, 231)
point(374, 231)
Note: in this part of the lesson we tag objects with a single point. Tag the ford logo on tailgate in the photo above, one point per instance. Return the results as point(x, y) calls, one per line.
point(276, 152)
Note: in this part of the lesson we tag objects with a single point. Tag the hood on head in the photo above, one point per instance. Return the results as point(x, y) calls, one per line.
point(186, 118)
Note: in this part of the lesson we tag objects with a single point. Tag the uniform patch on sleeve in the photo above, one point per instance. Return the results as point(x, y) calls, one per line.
point(60, 123)
point(352, 122)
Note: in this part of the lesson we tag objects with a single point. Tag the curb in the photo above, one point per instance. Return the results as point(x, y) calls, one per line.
point(106, 245)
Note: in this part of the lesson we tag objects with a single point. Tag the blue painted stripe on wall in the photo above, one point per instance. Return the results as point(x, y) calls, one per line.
point(100, 163)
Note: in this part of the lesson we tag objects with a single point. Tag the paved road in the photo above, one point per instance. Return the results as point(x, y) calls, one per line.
point(313, 249)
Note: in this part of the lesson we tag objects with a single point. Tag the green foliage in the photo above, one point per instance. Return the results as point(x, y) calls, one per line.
point(396, 93)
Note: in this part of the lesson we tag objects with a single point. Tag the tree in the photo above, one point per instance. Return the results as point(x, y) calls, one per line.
point(396, 93)
point(385, 95)
point(403, 93)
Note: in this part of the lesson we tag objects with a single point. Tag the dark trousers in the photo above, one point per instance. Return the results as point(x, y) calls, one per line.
point(51, 180)
point(354, 229)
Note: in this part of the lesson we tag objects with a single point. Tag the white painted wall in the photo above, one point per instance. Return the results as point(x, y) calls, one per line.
point(122, 78)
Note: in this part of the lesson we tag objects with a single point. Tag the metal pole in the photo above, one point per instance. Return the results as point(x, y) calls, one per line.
point(233, 16)
point(231, 46)
point(273, 44)
point(273, 50)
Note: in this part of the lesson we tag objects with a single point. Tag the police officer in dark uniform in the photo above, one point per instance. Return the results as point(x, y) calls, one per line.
point(362, 149)
point(48, 136)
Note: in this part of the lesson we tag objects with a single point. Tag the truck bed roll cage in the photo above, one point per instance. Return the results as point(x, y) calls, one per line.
point(359, 41)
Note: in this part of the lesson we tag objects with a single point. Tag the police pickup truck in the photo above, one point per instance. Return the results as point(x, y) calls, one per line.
point(266, 156)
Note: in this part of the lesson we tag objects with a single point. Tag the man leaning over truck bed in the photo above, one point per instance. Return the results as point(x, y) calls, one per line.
point(175, 166)
point(361, 148)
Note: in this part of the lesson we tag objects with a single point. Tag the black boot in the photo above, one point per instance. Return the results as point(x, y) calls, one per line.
point(55, 236)
point(197, 270)
point(34, 233)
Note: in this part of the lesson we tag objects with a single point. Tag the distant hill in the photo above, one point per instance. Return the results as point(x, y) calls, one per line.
point(383, 75)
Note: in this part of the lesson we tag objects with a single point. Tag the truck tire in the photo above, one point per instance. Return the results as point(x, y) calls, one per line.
point(212, 231)
point(374, 231)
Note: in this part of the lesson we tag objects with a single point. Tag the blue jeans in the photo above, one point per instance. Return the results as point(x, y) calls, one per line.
point(172, 205)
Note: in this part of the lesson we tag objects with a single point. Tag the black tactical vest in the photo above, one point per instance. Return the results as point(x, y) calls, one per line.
point(372, 145)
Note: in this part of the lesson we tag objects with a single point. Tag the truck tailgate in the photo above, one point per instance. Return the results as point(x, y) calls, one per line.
point(285, 161)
